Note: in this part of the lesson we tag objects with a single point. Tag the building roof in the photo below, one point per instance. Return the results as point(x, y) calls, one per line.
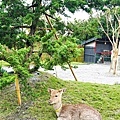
point(88, 41)
point(94, 39)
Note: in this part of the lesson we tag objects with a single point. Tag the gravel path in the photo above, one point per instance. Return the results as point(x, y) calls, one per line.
point(93, 73)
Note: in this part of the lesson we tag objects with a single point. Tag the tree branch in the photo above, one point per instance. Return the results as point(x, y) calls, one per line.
point(105, 31)
point(113, 30)
point(118, 31)
point(50, 16)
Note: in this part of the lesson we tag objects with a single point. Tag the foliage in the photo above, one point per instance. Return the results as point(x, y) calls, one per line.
point(105, 98)
point(17, 59)
point(86, 5)
point(6, 79)
point(17, 16)
point(61, 51)
point(59, 54)
point(84, 30)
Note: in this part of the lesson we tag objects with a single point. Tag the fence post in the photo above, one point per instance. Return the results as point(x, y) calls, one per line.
point(18, 89)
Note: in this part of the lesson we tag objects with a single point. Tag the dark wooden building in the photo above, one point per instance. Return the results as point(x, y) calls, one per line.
point(97, 50)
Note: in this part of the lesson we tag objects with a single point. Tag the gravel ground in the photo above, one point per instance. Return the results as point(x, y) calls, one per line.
point(93, 73)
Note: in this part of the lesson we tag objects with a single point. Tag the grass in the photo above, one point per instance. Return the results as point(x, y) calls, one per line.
point(3, 63)
point(105, 98)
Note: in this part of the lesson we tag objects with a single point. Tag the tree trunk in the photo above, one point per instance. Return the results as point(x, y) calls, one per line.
point(114, 60)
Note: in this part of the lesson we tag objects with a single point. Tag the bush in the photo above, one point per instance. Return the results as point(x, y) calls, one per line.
point(6, 79)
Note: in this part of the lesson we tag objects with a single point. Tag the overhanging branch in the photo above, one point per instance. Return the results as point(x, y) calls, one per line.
point(50, 16)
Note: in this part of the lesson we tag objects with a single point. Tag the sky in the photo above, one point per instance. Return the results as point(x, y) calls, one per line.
point(78, 15)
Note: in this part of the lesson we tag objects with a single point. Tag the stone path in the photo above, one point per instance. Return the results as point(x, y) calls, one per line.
point(93, 73)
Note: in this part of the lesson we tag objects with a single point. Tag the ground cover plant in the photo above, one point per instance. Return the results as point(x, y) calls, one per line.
point(105, 98)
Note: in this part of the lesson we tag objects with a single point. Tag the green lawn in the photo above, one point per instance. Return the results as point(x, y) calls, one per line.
point(105, 98)
point(3, 63)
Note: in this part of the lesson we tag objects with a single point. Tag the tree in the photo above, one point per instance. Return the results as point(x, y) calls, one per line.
point(87, 29)
point(112, 32)
point(84, 30)
point(16, 18)
point(86, 5)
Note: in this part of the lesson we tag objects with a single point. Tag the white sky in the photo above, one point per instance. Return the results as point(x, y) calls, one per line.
point(78, 15)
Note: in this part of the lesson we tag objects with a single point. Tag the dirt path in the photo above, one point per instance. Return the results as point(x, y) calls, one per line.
point(94, 73)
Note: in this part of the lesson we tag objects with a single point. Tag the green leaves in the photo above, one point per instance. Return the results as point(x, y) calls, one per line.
point(28, 19)
point(61, 51)
point(6, 79)
point(47, 36)
point(56, 6)
point(17, 59)
point(84, 30)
